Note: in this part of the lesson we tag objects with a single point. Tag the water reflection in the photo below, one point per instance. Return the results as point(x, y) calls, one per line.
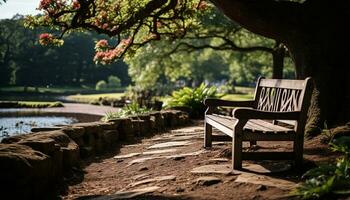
point(10, 126)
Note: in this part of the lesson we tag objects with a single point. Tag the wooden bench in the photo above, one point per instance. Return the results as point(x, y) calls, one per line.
point(275, 101)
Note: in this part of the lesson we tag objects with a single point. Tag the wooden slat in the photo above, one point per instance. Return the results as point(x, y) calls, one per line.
point(226, 125)
point(221, 123)
point(270, 126)
point(289, 122)
point(279, 83)
point(267, 155)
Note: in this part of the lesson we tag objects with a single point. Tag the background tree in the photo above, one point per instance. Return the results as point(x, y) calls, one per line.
point(20, 55)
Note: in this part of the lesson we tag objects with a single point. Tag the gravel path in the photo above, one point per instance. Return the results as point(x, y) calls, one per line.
point(69, 108)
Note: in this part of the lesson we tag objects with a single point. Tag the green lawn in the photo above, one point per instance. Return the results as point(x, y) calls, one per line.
point(54, 90)
point(238, 97)
point(29, 104)
point(87, 98)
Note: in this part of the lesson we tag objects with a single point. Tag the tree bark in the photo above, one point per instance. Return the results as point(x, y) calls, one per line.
point(316, 35)
point(278, 55)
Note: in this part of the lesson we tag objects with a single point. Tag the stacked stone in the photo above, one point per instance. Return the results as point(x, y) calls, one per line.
point(32, 165)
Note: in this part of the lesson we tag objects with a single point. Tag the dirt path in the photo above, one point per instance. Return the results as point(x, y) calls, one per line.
point(174, 165)
point(69, 108)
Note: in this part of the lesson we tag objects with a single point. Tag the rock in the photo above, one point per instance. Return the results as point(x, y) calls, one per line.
point(126, 156)
point(213, 169)
point(71, 156)
point(267, 167)
point(178, 158)
point(143, 168)
point(26, 172)
point(145, 125)
point(183, 155)
point(110, 138)
point(207, 180)
point(170, 144)
point(129, 194)
point(179, 189)
point(261, 188)
point(151, 180)
point(161, 151)
point(218, 160)
point(111, 125)
point(141, 160)
point(253, 178)
point(125, 129)
point(86, 152)
point(74, 132)
point(37, 129)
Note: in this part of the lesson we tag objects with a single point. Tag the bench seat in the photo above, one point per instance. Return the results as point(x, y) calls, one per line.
point(254, 129)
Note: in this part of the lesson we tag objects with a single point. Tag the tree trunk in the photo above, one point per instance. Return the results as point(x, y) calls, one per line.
point(278, 55)
point(317, 36)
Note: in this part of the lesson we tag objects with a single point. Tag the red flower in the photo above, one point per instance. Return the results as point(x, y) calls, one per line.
point(76, 4)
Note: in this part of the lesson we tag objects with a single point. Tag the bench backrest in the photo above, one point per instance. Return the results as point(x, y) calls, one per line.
point(281, 95)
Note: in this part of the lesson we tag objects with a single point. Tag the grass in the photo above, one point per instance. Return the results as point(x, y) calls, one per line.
point(238, 97)
point(29, 104)
point(53, 90)
point(87, 98)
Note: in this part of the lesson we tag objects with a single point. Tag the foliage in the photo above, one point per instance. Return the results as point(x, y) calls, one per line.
point(21, 54)
point(101, 85)
point(87, 98)
point(131, 22)
point(29, 104)
point(127, 111)
point(192, 99)
point(333, 178)
point(113, 82)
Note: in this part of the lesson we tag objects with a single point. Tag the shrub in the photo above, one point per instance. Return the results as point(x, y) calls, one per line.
point(128, 110)
point(192, 99)
point(328, 179)
point(113, 82)
point(101, 85)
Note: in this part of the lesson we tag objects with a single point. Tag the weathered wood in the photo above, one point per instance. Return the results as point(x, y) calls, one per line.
point(283, 83)
point(285, 101)
point(208, 135)
point(226, 125)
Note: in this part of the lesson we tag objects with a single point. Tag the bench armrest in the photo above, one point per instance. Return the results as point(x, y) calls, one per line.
point(246, 113)
point(220, 102)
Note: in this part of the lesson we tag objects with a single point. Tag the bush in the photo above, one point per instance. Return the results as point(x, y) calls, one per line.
point(126, 111)
point(101, 85)
point(328, 179)
point(192, 99)
point(113, 82)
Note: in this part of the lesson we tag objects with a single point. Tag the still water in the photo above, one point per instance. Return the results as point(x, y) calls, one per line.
point(10, 126)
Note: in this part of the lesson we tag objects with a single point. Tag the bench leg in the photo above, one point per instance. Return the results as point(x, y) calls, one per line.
point(298, 152)
point(208, 129)
point(237, 152)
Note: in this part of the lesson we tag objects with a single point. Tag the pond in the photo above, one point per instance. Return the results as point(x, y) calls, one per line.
point(21, 121)
point(10, 126)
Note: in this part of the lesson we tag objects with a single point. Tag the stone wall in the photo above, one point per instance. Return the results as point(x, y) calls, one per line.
point(32, 166)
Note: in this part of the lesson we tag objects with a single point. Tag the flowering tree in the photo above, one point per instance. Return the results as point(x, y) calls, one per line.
point(130, 23)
